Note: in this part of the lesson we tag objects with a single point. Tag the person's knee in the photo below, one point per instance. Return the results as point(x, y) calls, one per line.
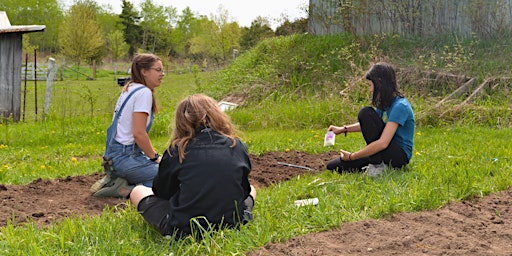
point(253, 192)
point(365, 111)
point(138, 193)
point(333, 164)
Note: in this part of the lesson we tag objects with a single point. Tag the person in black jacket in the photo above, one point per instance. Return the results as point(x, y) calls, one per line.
point(202, 180)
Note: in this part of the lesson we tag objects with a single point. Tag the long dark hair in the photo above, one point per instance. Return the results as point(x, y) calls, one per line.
point(385, 88)
point(139, 62)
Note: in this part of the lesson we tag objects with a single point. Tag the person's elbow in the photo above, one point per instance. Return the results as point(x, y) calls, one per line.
point(381, 144)
point(139, 135)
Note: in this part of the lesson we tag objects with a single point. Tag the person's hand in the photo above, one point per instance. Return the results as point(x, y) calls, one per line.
point(336, 129)
point(345, 155)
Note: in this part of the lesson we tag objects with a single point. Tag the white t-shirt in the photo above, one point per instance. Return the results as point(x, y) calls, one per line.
point(141, 101)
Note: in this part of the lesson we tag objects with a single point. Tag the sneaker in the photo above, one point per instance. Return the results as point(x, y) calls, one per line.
point(374, 170)
point(100, 183)
point(116, 188)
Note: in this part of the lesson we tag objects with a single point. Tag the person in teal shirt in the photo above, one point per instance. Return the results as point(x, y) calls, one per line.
point(387, 127)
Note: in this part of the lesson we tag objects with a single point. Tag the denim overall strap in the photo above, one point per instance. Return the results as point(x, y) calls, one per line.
point(112, 129)
point(151, 118)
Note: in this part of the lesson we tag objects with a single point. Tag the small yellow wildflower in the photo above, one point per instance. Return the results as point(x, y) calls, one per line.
point(43, 167)
point(74, 159)
point(287, 150)
point(418, 133)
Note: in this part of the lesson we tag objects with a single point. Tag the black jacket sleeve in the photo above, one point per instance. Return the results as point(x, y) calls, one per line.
point(245, 179)
point(166, 183)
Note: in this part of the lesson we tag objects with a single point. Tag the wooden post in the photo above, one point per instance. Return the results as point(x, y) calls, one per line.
point(35, 81)
point(49, 81)
point(93, 69)
point(62, 70)
point(25, 88)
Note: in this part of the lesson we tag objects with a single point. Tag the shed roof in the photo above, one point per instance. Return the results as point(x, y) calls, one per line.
point(6, 27)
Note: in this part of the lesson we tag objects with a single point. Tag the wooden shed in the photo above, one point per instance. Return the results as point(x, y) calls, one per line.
point(10, 65)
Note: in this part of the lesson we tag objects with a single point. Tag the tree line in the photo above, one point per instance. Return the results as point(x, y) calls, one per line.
point(88, 32)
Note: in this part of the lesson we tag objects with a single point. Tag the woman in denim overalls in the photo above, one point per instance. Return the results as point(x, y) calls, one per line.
point(128, 148)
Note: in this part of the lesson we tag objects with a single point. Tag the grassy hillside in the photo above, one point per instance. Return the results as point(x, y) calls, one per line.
point(307, 81)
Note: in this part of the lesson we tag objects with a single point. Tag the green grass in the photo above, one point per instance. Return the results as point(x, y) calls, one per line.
point(460, 155)
point(448, 165)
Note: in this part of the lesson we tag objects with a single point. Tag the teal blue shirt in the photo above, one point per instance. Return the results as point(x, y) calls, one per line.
point(401, 112)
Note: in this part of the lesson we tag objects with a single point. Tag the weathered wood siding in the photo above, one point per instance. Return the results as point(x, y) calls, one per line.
point(10, 70)
point(411, 17)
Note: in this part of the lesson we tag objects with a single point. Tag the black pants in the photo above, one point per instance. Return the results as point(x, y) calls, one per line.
point(371, 128)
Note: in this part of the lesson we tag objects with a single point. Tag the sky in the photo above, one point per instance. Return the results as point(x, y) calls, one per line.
point(241, 11)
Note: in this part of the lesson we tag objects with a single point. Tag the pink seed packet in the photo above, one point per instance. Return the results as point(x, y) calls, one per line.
point(329, 139)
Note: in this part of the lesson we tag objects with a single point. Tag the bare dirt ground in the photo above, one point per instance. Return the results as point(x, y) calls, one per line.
point(474, 227)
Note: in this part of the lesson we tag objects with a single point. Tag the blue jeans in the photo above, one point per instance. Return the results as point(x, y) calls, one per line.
point(131, 164)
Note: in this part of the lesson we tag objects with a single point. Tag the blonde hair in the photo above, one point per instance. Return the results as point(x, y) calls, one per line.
point(199, 110)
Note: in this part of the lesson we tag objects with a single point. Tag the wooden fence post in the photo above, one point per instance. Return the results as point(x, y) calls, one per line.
point(62, 69)
point(49, 82)
point(93, 69)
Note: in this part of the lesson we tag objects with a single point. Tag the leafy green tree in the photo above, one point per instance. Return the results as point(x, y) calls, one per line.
point(37, 12)
point(156, 26)
point(167, 44)
point(187, 26)
point(117, 45)
point(201, 44)
point(81, 37)
point(230, 35)
point(260, 29)
point(299, 26)
point(132, 31)
point(217, 38)
point(27, 46)
point(108, 20)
